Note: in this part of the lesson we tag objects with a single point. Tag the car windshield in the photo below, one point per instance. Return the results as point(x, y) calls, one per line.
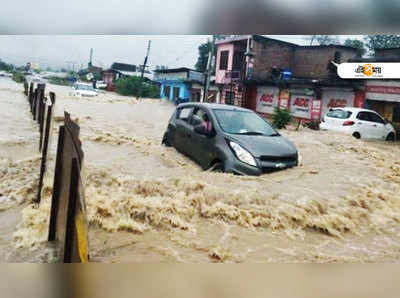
point(84, 87)
point(243, 122)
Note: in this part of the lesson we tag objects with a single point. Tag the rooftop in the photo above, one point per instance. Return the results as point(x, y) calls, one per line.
point(174, 70)
point(266, 39)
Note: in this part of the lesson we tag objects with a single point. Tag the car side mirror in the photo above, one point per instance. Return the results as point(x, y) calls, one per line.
point(201, 130)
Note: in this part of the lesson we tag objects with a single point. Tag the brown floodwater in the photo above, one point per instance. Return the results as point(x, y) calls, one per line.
point(148, 203)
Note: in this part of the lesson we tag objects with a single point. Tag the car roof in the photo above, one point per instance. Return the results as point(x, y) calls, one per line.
point(213, 106)
point(354, 110)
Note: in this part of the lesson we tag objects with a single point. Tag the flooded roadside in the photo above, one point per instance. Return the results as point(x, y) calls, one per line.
point(149, 203)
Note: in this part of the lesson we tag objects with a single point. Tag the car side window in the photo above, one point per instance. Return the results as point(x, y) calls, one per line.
point(184, 113)
point(375, 118)
point(363, 116)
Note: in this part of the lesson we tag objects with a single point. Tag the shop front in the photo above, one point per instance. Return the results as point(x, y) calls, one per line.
point(337, 98)
point(384, 98)
point(267, 99)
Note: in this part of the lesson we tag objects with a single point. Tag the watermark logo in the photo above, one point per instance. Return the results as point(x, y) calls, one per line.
point(369, 71)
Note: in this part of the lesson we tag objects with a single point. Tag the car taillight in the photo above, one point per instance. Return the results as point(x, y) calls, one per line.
point(348, 123)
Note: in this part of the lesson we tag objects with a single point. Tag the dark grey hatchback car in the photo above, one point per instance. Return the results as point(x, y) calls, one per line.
point(228, 138)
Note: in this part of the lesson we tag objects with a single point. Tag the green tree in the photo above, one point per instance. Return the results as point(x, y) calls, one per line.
point(6, 67)
point(131, 86)
point(324, 40)
point(356, 43)
point(204, 49)
point(382, 41)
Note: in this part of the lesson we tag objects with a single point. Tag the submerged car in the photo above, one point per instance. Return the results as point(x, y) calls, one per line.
point(360, 123)
point(82, 89)
point(228, 138)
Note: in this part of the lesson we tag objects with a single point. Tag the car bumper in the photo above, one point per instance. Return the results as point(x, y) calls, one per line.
point(241, 168)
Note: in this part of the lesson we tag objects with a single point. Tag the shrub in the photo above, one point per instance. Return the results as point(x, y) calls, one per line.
point(281, 118)
point(131, 86)
point(18, 77)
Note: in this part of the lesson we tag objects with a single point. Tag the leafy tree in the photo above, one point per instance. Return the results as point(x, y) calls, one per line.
point(356, 43)
point(324, 40)
point(204, 49)
point(131, 86)
point(382, 41)
point(201, 64)
point(6, 67)
point(281, 118)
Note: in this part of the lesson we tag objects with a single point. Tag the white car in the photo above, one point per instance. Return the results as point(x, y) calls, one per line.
point(101, 85)
point(83, 89)
point(360, 123)
point(5, 74)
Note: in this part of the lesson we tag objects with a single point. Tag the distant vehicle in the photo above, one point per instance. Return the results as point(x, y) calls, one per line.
point(5, 74)
point(229, 139)
point(101, 85)
point(83, 89)
point(360, 123)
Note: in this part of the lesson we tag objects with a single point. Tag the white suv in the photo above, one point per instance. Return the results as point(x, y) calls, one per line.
point(360, 123)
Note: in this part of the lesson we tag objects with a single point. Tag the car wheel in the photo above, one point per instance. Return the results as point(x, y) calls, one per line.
point(390, 137)
point(357, 135)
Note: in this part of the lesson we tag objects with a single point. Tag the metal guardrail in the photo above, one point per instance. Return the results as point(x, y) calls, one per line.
point(68, 224)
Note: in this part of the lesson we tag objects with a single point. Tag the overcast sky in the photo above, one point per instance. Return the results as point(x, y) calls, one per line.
point(64, 51)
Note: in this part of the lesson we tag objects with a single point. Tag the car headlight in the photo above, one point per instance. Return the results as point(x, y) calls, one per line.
point(242, 154)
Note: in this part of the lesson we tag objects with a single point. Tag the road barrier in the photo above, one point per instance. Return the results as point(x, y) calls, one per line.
point(68, 224)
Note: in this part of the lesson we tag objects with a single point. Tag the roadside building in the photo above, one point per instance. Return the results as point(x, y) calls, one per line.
point(261, 74)
point(184, 84)
point(122, 70)
point(383, 96)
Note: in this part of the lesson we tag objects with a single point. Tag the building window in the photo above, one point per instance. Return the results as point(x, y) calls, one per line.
point(223, 60)
point(238, 59)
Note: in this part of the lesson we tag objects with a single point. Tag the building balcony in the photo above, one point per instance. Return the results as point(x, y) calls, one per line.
point(232, 76)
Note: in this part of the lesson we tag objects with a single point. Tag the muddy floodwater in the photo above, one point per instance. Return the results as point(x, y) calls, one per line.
point(148, 203)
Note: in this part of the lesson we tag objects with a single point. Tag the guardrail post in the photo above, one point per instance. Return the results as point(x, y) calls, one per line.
point(45, 144)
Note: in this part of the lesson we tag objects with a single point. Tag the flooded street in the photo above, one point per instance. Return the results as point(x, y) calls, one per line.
point(148, 203)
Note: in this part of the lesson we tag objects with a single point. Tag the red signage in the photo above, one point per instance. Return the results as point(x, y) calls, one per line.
point(269, 98)
point(383, 89)
point(337, 103)
point(301, 102)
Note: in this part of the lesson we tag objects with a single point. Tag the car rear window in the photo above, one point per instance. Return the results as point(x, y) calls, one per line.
point(340, 114)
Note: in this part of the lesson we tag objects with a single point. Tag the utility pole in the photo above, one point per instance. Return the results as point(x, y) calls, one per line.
point(91, 57)
point(208, 70)
point(143, 69)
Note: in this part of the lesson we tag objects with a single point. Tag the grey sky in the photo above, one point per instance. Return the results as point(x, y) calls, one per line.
point(64, 50)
